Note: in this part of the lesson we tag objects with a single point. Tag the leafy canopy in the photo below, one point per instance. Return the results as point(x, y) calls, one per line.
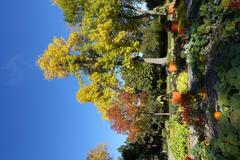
point(104, 43)
point(99, 153)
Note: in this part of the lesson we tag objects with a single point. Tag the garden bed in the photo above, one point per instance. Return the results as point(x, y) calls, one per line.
point(209, 104)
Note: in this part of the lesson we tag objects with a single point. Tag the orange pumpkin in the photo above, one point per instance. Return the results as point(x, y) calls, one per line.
point(171, 8)
point(172, 67)
point(176, 97)
point(217, 115)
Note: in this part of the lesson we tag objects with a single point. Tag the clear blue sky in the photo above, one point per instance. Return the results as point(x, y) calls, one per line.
point(39, 119)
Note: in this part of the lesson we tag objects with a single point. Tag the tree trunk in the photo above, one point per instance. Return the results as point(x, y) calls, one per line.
point(161, 61)
point(161, 114)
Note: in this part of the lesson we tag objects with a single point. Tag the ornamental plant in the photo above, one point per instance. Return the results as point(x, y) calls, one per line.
point(179, 140)
point(182, 82)
point(185, 114)
point(174, 27)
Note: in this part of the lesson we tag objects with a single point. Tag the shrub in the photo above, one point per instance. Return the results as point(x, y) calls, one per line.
point(179, 134)
point(140, 77)
point(151, 43)
point(182, 82)
point(182, 16)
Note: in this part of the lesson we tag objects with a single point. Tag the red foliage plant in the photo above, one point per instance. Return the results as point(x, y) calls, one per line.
point(124, 111)
point(186, 114)
point(174, 27)
point(178, 98)
point(234, 4)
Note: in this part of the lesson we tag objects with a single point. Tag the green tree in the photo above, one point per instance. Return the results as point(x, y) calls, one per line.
point(140, 77)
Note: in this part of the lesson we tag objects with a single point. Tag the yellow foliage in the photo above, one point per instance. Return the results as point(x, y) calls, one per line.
point(104, 44)
point(57, 60)
point(101, 26)
point(100, 91)
point(128, 89)
point(54, 60)
point(100, 153)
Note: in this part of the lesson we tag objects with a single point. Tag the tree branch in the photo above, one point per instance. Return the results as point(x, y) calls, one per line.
point(148, 12)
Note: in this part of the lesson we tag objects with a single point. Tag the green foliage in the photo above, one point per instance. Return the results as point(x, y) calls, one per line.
point(215, 34)
point(227, 67)
point(155, 25)
point(149, 141)
point(71, 9)
point(194, 53)
point(182, 82)
point(212, 20)
point(228, 85)
point(205, 28)
point(226, 146)
point(195, 9)
point(200, 151)
point(229, 29)
point(225, 3)
point(181, 13)
point(151, 42)
point(147, 146)
point(140, 77)
point(179, 135)
point(235, 118)
point(235, 101)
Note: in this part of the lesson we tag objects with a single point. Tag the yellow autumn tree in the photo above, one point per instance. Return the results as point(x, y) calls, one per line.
point(99, 153)
point(62, 58)
point(106, 41)
point(71, 9)
point(103, 88)
point(108, 36)
point(57, 61)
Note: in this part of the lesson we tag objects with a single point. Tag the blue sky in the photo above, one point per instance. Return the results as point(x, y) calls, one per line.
point(39, 119)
